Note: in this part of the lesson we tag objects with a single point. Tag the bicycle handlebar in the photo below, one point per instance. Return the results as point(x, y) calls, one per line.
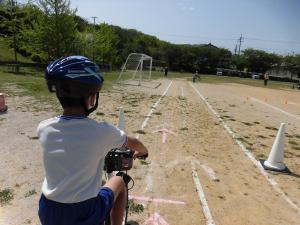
point(120, 160)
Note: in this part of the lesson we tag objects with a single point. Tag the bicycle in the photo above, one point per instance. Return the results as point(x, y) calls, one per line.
point(118, 160)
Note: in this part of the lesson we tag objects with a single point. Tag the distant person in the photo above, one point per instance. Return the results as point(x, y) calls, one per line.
point(266, 78)
point(166, 71)
point(195, 76)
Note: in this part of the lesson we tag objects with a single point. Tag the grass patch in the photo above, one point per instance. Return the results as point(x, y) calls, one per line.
point(140, 132)
point(296, 148)
point(113, 115)
point(6, 195)
point(34, 138)
point(247, 124)
point(28, 221)
point(256, 122)
point(232, 105)
point(30, 192)
point(240, 139)
point(231, 119)
point(135, 207)
point(297, 136)
point(183, 128)
point(100, 114)
point(144, 162)
point(261, 136)
point(293, 143)
point(157, 113)
point(271, 128)
point(154, 96)
point(261, 156)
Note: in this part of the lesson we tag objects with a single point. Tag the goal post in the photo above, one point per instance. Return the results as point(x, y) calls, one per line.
point(136, 69)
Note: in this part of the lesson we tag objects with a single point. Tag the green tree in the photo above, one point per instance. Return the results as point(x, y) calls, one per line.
point(260, 61)
point(57, 32)
point(292, 64)
point(106, 42)
point(239, 62)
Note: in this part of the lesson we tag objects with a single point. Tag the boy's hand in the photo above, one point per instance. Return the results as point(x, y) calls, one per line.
point(137, 146)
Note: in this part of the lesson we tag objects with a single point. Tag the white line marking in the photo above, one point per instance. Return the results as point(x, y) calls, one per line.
point(182, 93)
point(149, 182)
point(209, 171)
point(276, 108)
point(248, 153)
point(201, 195)
point(293, 103)
point(158, 200)
point(212, 175)
point(153, 109)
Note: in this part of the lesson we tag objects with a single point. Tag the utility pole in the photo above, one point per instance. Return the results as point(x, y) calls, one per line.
point(235, 49)
point(240, 40)
point(93, 52)
point(13, 18)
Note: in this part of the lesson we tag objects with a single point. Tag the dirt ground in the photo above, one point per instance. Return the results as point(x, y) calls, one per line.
point(237, 193)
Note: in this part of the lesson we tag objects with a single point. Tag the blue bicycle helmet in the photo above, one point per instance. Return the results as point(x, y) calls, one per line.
point(74, 77)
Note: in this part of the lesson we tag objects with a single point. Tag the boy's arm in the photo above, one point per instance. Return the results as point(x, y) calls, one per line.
point(136, 146)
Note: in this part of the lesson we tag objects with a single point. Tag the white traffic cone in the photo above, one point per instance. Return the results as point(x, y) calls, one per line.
point(3, 107)
point(275, 159)
point(121, 122)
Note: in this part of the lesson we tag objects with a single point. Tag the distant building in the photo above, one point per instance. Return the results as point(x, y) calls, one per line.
point(282, 73)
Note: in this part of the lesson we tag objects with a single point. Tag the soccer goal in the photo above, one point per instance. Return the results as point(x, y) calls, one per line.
point(137, 71)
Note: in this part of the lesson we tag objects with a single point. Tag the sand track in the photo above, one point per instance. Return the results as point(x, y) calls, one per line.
point(239, 195)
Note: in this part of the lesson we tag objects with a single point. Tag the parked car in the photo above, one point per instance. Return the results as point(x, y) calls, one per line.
point(255, 76)
point(219, 73)
point(298, 85)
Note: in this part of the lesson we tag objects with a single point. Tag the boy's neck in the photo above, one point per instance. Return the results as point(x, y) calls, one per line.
point(73, 112)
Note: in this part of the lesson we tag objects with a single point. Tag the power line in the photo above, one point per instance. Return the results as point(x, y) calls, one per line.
point(275, 41)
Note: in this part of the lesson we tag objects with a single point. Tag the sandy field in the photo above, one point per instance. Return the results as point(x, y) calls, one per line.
point(187, 144)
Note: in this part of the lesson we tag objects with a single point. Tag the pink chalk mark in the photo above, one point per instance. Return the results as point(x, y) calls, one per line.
point(158, 200)
point(155, 219)
point(165, 133)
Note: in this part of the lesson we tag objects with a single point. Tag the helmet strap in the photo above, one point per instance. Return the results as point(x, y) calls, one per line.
point(89, 111)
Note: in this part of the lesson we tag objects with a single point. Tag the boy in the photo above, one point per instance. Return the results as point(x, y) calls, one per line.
point(74, 148)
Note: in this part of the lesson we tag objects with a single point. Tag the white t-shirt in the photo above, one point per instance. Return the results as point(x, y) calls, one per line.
point(73, 152)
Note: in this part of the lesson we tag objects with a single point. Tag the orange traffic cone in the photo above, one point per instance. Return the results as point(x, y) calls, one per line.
point(3, 107)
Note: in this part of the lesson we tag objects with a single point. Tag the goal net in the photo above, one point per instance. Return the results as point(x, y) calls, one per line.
point(137, 71)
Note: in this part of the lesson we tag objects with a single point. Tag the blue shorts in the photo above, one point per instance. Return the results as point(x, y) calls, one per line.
point(90, 212)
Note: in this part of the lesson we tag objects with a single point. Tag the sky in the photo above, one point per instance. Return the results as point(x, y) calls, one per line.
point(270, 25)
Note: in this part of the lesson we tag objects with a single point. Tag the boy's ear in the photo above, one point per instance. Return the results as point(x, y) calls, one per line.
point(92, 100)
